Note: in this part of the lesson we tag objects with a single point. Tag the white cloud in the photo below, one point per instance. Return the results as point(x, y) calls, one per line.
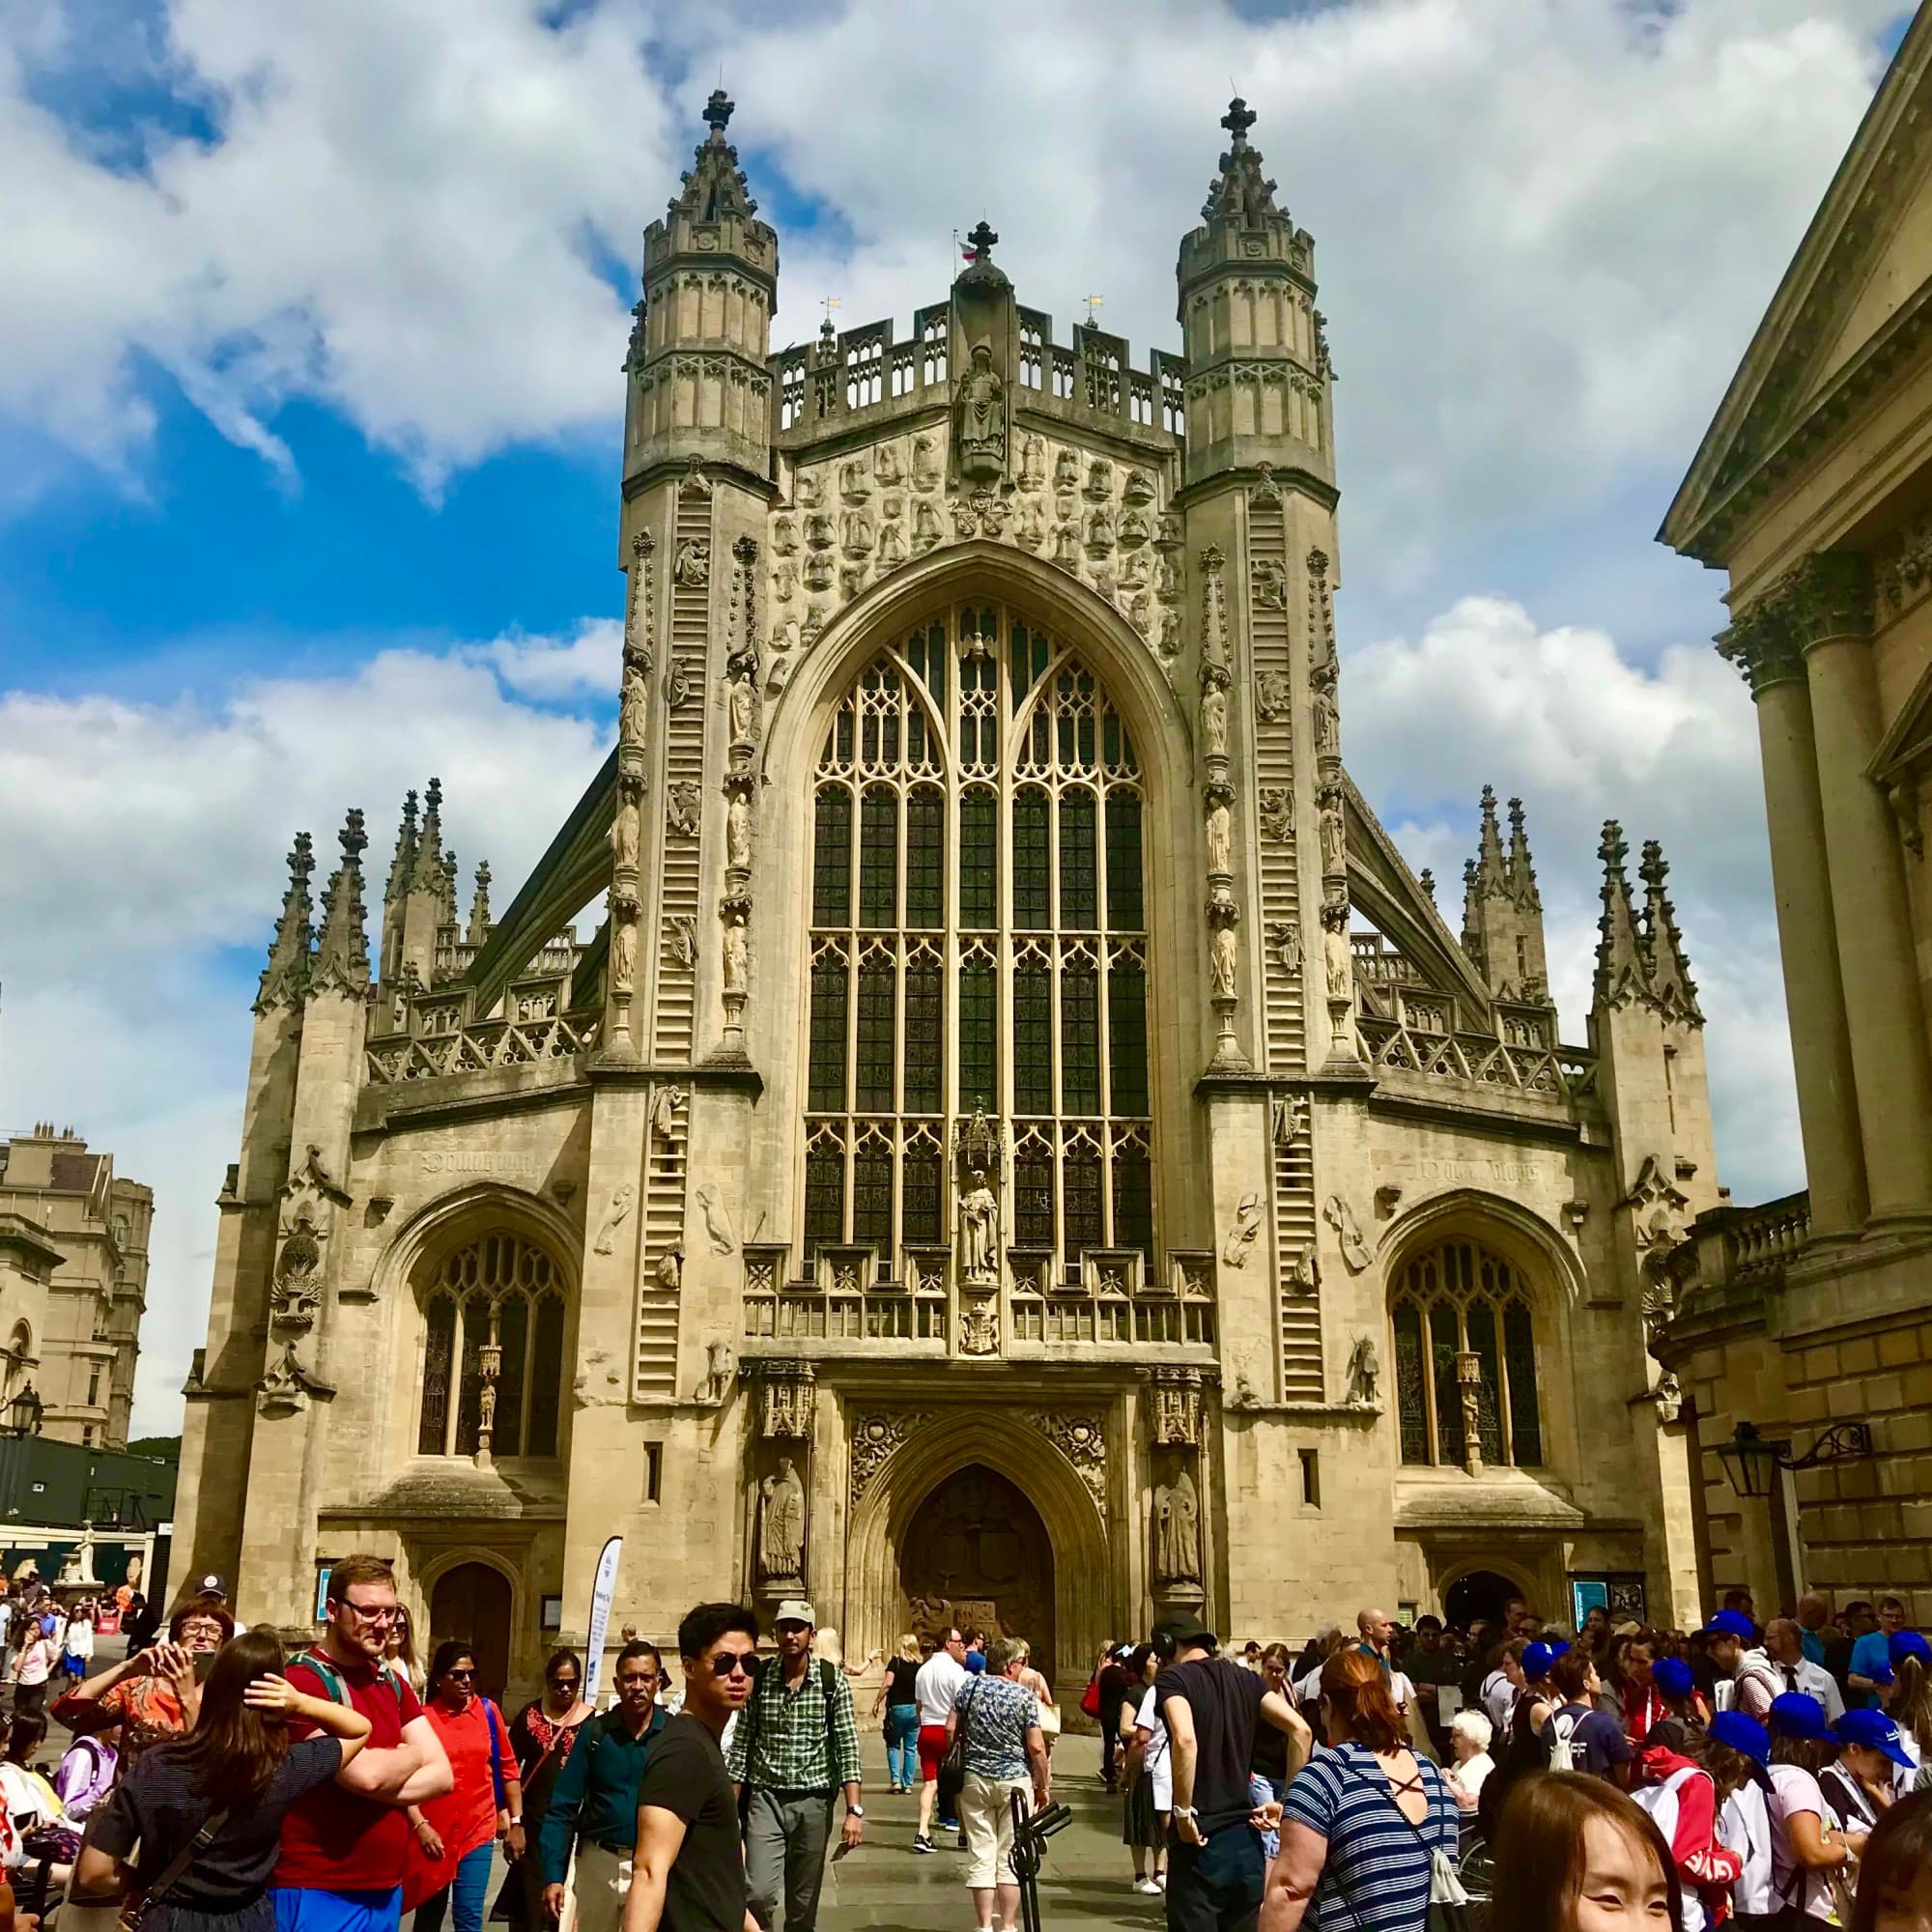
point(1544, 232)
point(144, 839)
point(1562, 719)
point(584, 664)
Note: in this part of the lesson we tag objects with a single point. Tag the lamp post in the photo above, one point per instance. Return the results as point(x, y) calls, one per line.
point(25, 1413)
point(1752, 1461)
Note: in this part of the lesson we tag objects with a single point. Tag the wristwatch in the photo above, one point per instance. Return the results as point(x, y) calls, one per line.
point(855, 1811)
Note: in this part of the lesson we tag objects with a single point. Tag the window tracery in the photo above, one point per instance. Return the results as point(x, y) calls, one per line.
point(977, 941)
point(504, 1294)
point(1461, 1298)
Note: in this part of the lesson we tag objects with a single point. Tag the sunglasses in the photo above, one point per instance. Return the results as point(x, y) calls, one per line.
point(465, 1674)
point(730, 1666)
point(563, 1682)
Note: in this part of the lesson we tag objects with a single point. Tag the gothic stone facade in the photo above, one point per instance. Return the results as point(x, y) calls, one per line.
point(1021, 1145)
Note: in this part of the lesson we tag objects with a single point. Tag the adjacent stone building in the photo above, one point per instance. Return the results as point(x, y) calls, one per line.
point(1809, 1319)
point(1018, 1143)
point(73, 1284)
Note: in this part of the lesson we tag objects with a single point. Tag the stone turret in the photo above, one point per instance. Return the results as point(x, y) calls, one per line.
point(415, 900)
point(1502, 910)
point(1258, 372)
point(479, 908)
point(699, 389)
point(292, 953)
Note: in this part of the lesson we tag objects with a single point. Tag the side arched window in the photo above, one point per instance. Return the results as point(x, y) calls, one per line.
point(1460, 1309)
point(493, 1348)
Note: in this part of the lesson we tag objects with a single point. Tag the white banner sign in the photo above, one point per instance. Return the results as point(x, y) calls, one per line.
point(603, 1591)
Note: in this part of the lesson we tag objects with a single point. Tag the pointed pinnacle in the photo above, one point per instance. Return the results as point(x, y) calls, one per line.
point(286, 974)
point(1238, 120)
point(1613, 851)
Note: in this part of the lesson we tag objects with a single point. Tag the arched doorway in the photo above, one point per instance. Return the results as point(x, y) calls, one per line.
point(1482, 1594)
point(473, 1602)
point(976, 1553)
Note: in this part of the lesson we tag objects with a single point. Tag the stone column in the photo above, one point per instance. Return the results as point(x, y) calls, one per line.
point(1765, 647)
point(1830, 597)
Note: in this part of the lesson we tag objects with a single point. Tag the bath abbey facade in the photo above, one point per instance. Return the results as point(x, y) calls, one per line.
point(972, 1118)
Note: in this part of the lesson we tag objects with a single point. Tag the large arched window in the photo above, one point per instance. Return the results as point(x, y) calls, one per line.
point(978, 942)
point(1461, 1298)
point(497, 1304)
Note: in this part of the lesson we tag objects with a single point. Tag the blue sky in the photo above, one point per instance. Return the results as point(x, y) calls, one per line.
point(309, 430)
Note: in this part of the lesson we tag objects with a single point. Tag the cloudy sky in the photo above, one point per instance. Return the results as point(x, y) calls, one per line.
point(310, 319)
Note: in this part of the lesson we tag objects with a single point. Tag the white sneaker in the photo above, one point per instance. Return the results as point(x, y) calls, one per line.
point(1146, 1885)
point(1160, 1881)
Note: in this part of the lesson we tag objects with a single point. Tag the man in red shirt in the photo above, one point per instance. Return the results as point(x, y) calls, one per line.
point(345, 1844)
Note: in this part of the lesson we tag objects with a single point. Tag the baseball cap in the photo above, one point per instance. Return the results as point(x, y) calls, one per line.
point(1537, 1659)
point(796, 1610)
point(210, 1586)
point(1731, 1623)
point(1875, 1730)
point(1909, 1643)
point(1672, 1676)
point(1795, 1714)
point(1180, 1627)
point(1742, 1733)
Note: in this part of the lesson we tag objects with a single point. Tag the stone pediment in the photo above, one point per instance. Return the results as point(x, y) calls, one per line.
point(1498, 1500)
point(1855, 284)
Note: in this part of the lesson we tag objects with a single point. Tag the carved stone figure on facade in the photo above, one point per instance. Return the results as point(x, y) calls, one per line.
point(818, 531)
point(1274, 693)
point(981, 417)
point(634, 707)
point(979, 1328)
point(785, 581)
point(1134, 570)
point(1029, 531)
point(1167, 579)
point(677, 686)
point(664, 1104)
point(717, 1220)
point(1284, 940)
point(855, 533)
point(1170, 640)
point(623, 949)
point(1214, 721)
point(1066, 469)
point(809, 489)
point(1224, 957)
point(925, 530)
point(1303, 1275)
point(1137, 488)
point(683, 803)
point(1099, 488)
point(1033, 463)
point(1067, 547)
point(693, 569)
point(1288, 1118)
point(818, 570)
point(927, 470)
point(1140, 611)
point(814, 623)
point(681, 939)
point(784, 536)
point(1103, 581)
point(1365, 1373)
point(741, 706)
point(1327, 719)
point(720, 1364)
point(1341, 1217)
point(855, 480)
point(784, 637)
point(782, 1526)
point(1176, 1529)
point(1101, 531)
point(979, 1233)
point(1136, 530)
point(1334, 845)
point(1338, 955)
point(1219, 827)
point(886, 466)
point(1275, 804)
point(891, 550)
point(1243, 1231)
point(1270, 584)
point(738, 832)
point(737, 957)
point(668, 1274)
point(622, 1201)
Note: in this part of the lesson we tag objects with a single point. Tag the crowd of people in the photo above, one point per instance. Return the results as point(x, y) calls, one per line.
point(1378, 1779)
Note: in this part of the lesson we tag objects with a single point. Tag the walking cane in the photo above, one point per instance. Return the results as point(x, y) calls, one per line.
point(1031, 1832)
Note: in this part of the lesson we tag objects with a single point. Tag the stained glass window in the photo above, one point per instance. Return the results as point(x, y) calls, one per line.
point(1462, 1299)
point(498, 1292)
point(1006, 971)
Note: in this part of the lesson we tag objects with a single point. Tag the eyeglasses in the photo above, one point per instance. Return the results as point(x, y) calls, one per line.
point(733, 1662)
point(453, 1672)
point(563, 1684)
point(372, 1613)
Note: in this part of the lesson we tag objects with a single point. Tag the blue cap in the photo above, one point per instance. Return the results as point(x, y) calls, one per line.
point(1874, 1730)
point(1536, 1661)
point(1882, 1673)
point(1559, 1645)
point(1672, 1676)
point(1795, 1714)
point(1732, 1623)
point(1742, 1733)
point(1909, 1643)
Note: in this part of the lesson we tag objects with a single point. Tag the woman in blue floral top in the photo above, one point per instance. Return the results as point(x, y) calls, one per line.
point(1000, 1718)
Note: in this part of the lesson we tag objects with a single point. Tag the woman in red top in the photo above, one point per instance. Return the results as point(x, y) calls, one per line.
point(453, 1837)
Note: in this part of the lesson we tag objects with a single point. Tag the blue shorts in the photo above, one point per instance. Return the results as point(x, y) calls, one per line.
point(310, 1908)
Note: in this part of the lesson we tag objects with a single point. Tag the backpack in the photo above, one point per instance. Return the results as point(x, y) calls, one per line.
point(319, 1660)
point(828, 1678)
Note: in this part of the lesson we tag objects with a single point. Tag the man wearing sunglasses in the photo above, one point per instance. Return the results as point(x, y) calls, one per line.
point(797, 1747)
point(593, 1805)
point(689, 1869)
point(345, 1845)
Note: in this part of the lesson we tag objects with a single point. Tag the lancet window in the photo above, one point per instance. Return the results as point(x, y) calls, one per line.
point(978, 942)
point(492, 1316)
point(1462, 1299)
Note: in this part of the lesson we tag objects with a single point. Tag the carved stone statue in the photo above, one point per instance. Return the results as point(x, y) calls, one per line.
point(634, 706)
point(669, 1270)
point(1033, 466)
point(1224, 954)
point(886, 464)
point(925, 471)
point(1285, 936)
point(925, 530)
point(1220, 829)
point(1328, 721)
point(855, 533)
point(717, 1220)
point(738, 833)
point(855, 481)
point(693, 568)
point(664, 1104)
point(891, 550)
point(981, 417)
point(682, 804)
point(681, 939)
point(1067, 547)
point(623, 953)
point(621, 1204)
point(720, 1363)
point(979, 1233)
point(1215, 722)
point(1341, 1217)
point(782, 1526)
point(1176, 1530)
point(741, 703)
point(1334, 848)
point(1365, 1372)
point(1066, 469)
point(737, 957)
point(624, 837)
point(1246, 1224)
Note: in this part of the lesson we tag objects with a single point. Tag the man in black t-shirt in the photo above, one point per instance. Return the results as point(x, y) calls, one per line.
point(689, 1870)
point(1210, 1708)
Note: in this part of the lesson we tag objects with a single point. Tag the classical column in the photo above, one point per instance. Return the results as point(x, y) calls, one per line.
point(1831, 609)
point(1764, 645)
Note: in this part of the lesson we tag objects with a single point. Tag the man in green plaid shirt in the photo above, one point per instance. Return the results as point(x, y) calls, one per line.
point(796, 1743)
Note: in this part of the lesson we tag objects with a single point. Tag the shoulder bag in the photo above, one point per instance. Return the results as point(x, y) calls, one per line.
point(955, 1753)
point(1449, 1907)
point(135, 1907)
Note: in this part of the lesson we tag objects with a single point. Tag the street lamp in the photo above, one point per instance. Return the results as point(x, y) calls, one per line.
point(23, 1412)
point(1752, 1461)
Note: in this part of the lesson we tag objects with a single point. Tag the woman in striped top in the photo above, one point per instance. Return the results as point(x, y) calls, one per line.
point(1362, 1818)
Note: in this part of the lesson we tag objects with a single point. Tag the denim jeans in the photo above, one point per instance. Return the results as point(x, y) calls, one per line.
point(470, 1889)
point(902, 1744)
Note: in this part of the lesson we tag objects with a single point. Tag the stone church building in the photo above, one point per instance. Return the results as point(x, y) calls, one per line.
point(1017, 1145)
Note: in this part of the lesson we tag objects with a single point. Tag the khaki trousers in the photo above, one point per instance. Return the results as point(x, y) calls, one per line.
point(593, 1900)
